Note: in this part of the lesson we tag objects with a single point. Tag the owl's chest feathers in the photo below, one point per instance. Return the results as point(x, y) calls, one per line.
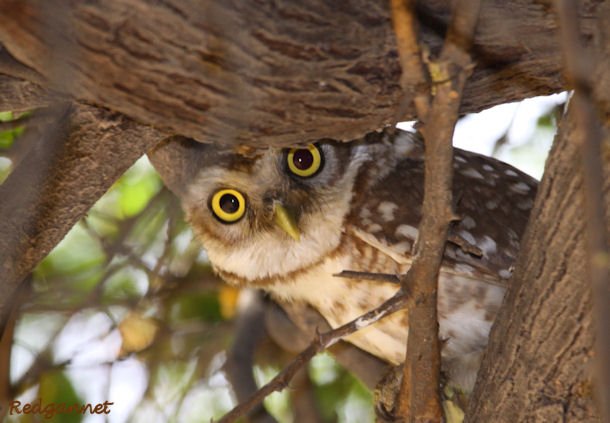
point(341, 300)
point(467, 306)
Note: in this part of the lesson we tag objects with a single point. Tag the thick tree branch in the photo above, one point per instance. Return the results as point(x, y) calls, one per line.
point(18, 95)
point(538, 366)
point(294, 71)
point(66, 171)
point(579, 63)
point(538, 363)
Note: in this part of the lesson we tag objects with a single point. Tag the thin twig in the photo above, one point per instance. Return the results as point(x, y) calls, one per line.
point(414, 78)
point(378, 277)
point(578, 64)
point(320, 343)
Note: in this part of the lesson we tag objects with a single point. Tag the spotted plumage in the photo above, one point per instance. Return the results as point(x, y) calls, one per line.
point(288, 220)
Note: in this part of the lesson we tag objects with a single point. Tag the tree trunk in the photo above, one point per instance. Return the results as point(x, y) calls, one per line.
point(539, 364)
point(269, 72)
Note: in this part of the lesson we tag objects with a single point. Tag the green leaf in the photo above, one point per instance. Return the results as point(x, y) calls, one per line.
point(56, 391)
point(77, 252)
point(124, 284)
point(204, 306)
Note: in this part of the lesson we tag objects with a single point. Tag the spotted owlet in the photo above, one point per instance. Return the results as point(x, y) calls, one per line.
point(288, 220)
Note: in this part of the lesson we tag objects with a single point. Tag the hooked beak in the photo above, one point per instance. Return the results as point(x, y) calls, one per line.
point(285, 220)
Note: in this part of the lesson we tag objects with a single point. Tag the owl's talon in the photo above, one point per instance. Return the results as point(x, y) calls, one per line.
point(386, 393)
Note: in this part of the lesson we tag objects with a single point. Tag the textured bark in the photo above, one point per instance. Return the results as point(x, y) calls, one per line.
point(68, 169)
point(18, 94)
point(539, 363)
point(271, 72)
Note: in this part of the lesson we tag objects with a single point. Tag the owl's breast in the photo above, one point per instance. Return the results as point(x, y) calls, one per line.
point(467, 305)
point(341, 300)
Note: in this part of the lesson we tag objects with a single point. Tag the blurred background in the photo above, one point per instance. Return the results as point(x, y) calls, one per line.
point(126, 308)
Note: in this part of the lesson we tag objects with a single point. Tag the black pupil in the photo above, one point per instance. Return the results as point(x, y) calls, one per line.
point(229, 203)
point(302, 159)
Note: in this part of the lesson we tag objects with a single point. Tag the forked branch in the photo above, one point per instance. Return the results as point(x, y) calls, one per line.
point(419, 399)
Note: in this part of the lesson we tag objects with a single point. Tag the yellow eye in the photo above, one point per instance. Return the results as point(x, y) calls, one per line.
point(228, 205)
point(304, 162)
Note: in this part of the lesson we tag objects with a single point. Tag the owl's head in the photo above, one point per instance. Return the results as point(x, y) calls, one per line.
point(266, 214)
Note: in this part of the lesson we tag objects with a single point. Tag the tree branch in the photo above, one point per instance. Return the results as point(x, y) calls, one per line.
point(537, 363)
point(320, 343)
point(293, 326)
point(419, 397)
point(65, 172)
point(295, 71)
point(579, 63)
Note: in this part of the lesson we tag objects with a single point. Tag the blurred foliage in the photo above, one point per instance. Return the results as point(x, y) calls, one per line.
point(129, 283)
point(126, 309)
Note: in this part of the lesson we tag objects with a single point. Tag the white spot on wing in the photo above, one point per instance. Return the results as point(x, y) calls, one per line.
point(472, 173)
point(487, 245)
point(407, 231)
point(468, 237)
point(510, 172)
point(520, 188)
point(468, 222)
point(386, 209)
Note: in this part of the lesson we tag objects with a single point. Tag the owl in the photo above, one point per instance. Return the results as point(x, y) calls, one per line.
point(288, 221)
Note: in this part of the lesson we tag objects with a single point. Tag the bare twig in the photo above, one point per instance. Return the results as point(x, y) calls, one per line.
point(320, 342)
point(380, 277)
point(413, 72)
point(578, 64)
point(293, 326)
point(419, 398)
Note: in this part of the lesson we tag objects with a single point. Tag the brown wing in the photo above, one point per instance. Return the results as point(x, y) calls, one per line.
point(492, 198)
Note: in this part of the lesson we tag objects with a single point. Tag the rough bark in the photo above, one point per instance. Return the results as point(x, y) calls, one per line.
point(19, 95)
point(67, 170)
point(539, 361)
point(540, 365)
point(271, 72)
